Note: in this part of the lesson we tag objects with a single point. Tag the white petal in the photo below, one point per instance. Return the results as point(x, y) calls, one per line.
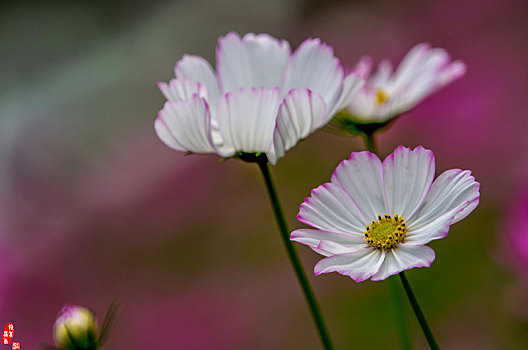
point(363, 67)
point(197, 69)
point(332, 248)
point(361, 105)
point(313, 239)
point(165, 135)
point(425, 78)
point(454, 189)
point(408, 176)
point(404, 257)
point(359, 265)
point(362, 177)
point(246, 119)
point(253, 61)
point(436, 59)
point(423, 86)
point(182, 125)
point(424, 233)
point(382, 75)
point(351, 85)
point(300, 114)
point(406, 71)
point(215, 138)
point(453, 195)
point(182, 89)
point(313, 66)
point(331, 208)
point(452, 72)
point(277, 150)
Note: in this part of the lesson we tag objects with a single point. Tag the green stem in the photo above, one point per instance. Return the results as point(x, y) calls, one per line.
point(294, 257)
point(405, 343)
point(370, 143)
point(418, 312)
point(399, 316)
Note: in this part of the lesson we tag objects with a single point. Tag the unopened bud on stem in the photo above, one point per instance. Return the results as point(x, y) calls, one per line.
point(75, 329)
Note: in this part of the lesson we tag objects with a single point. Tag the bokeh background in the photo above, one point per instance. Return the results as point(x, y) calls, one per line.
point(93, 206)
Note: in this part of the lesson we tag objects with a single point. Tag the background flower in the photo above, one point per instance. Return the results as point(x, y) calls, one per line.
point(90, 196)
point(389, 93)
point(514, 240)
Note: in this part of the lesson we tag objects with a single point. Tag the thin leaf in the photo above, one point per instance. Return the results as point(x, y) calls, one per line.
point(108, 321)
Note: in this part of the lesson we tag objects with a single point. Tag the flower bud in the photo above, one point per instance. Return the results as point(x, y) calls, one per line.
point(75, 329)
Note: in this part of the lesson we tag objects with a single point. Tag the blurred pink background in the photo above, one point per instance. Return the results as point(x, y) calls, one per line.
point(93, 206)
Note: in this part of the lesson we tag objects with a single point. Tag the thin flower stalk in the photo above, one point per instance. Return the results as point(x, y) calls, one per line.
point(293, 256)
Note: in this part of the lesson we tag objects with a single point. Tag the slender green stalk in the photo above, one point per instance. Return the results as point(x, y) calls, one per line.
point(399, 316)
point(294, 257)
point(403, 335)
point(370, 143)
point(418, 312)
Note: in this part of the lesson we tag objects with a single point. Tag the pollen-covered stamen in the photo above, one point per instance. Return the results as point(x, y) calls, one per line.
point(386, 232)
point(381, 96)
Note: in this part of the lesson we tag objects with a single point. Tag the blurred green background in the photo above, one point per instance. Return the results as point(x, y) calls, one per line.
point(93, 206)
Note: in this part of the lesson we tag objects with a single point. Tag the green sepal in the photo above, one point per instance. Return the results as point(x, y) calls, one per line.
point(350, 125)
point(251, 157)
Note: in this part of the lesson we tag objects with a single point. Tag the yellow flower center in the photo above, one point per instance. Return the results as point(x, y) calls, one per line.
point(386, 232)
point(381, 96)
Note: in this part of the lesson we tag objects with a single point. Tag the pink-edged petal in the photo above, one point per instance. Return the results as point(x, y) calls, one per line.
point(314, 66)
point(436, 59)
point(301, 113)
point(277, 150)
point(382, 75)
point(362, 177)
point(451, 73)
point(423, 86)
point(408, 175)
point(165, 134)
point(406, 71)
point(252, 61)
point(404, 257)
point(363, 67)
point(246, 120)
point(182, 125)
point(454, 189)
point(426, 76)
point(359, 265)
point(452, 197)
point(331, 208)
point(314, 238)
point(351, 85)
point(222, 148)
point(182, 89)
point(332, 248)
point(197, 69)
point(429, 231)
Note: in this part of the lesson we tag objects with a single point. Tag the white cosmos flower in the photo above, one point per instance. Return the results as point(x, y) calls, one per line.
point(387, 94)
point(262, 98)
point(373, 219)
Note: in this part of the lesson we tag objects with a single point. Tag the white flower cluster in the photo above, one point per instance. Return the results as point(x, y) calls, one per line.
point(374, 218)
